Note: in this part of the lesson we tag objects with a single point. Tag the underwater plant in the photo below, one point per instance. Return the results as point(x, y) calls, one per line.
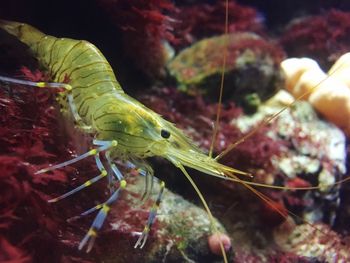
point(320, 37)
point(63, 155)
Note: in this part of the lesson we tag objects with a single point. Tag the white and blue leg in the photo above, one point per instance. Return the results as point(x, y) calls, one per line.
point(115, 174)
point(151, 218)
point(103, 146)
point(54, 85)
point(146, 171)
point(104, 208)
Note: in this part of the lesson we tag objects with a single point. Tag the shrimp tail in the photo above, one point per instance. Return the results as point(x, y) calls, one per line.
point(24, 32)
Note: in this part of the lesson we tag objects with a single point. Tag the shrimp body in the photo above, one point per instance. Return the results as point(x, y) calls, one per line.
point(102, 104)
point(122, 127)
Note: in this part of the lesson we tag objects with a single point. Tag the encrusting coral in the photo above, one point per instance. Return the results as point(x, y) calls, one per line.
point(328, 92)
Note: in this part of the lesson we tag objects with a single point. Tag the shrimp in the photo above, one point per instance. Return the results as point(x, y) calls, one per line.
point(121, 127)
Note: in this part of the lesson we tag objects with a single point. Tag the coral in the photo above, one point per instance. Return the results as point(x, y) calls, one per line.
point(341, 69)
point(201, 20)
point(294, 69)
point(328, 93)
point(145, 26)
point(200, 67)
point(322, 37)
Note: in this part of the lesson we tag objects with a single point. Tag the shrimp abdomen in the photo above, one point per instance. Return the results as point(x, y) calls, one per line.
point(77, 62)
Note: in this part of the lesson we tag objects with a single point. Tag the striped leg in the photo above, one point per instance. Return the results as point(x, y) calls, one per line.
point(115, 175)
point(87, 183)
point(151, 218)
point(90, 237)
point(55, 85)
point(81, 187)
point(104, 145)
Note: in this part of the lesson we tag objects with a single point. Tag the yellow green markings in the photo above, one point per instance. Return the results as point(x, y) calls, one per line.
point(123, 184)
point(146, 229)
point(89, 238)
point(105, 208)
point(53, 85)
point(92, 232)
point(93, 152)
point(41, 84)
point(68, 87)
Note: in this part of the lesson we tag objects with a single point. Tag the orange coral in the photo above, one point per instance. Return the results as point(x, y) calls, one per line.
point(328, 93)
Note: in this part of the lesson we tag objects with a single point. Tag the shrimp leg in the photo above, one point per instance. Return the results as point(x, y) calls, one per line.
point(114, 174)
point(151, 218)
point(54, 85)
point(146, 171)
point(90, 237)
point(81, 187)
point(104, 145)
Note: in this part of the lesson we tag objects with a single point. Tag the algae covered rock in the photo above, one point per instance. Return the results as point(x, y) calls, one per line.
point(314, 154)
point(252, 67)
point(324, 245)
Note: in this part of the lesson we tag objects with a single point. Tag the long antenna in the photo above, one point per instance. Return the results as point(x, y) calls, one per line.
point(218, 111)
point(207, 209)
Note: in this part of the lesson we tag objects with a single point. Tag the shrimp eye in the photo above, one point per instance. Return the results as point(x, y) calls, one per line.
point(165, 134)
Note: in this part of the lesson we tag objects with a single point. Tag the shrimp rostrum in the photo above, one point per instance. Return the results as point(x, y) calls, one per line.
point(121, 127)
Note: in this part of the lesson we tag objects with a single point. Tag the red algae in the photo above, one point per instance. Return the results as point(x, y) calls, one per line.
point(321, 37)
point(145, 27)
point(201, 20)
point(29, 141)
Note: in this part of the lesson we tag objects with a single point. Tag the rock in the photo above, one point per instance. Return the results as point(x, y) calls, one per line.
point(321, 245)
point(180, 233)
point(314, 152)
point(200, 67)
